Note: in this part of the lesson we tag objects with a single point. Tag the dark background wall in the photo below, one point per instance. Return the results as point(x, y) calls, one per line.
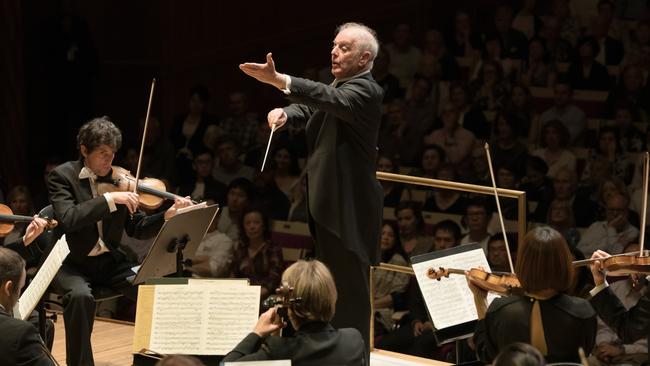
point(126, 43)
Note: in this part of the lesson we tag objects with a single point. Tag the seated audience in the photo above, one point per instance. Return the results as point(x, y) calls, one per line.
point(256, 256)
point(315, 342)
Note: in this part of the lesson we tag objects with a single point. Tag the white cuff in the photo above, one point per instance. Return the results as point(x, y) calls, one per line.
point(111, 203)
point(594, 291)
point(287, 87)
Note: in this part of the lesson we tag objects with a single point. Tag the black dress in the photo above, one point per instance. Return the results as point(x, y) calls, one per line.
point(569, 323)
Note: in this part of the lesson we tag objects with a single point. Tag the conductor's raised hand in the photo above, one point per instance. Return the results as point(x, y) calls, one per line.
point(277, 118)
point(265, 72)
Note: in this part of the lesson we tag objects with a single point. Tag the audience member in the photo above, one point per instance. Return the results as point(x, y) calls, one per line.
point(497, 256)
point(403, 55)
point(230, 167)
point(188, 130)
point(536, 183)
point(241, 123)
point(241, 193)
point(446, 234)
point(454, 139)
point(463, 41)
point(566, 112)
point(507, 149)
point(383, 77)
point(561, 218)
point(536, 71)
point(393, 191)
point(554, 150)
point(388, 284)
point(432, 157)
point(213, 257)
point(411, 229)
point(449, 201)
point(256, 257)
point(586, 72)
point(613, 233)
point(204, 187)
point(513, 41)
point(477, 217)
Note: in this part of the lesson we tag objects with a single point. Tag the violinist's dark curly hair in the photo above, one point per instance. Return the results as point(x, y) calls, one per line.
point(99, 131)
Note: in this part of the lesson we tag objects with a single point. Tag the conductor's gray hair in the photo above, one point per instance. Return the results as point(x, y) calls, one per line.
point(368, 40)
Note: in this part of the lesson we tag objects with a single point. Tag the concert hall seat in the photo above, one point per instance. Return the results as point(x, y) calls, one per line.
point(294, 239)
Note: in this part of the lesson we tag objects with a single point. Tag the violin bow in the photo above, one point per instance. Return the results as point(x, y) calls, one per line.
point(644, 207)
point(496, 197)
point(144, 136)
point(268, 145)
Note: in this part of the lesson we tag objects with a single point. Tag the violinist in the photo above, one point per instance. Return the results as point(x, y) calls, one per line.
point(629, 324)
point(546, 317)
point(93, 224)
point(315, 342)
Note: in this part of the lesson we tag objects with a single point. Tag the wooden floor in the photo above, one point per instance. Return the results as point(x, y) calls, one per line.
point(111, 342)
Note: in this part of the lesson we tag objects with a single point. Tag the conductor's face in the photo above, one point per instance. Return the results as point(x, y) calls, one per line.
point(348, 59)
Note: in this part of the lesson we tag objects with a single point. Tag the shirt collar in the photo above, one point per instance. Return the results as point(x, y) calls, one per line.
point(340, 81)
point(86, 173)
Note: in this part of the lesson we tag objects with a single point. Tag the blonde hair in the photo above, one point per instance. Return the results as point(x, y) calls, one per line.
point(314, 284)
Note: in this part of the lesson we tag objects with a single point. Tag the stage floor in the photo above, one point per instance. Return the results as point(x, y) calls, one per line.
point(111, 340)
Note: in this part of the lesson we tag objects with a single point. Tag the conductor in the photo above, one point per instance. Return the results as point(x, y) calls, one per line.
point(344, 196)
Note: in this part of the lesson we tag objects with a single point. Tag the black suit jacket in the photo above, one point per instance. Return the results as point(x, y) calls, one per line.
point(20, 343)
point(78, 213)
point(342, 130)
point(630, 325)
point(316, 343)
point(569, 322)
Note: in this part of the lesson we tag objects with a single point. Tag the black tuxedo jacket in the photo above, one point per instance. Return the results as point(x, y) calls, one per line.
point(342, 130)
point(78, 213)
point(314, 344)
point(20, 343)
point(630, 325)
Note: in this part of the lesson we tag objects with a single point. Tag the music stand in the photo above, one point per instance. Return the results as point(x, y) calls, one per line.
point(178, 236)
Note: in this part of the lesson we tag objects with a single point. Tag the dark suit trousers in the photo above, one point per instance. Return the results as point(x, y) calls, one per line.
point(75, 282)
point(351, 278)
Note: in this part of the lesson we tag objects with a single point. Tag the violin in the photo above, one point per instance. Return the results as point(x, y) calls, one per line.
point(152, 191)
point(503, 283)
point(283, 300)
point(497, 282)
point(7, 220)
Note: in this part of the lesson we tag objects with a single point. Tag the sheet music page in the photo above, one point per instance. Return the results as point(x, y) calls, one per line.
point(42, 280)
point(387, 358)
point(450, 301)
point(143, 317)
point(260, 363)
point(202, 319)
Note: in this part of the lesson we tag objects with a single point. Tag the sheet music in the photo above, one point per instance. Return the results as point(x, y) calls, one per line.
point(384, 358)
point(42, 280)
point(450, 301)
point(203, 319)
point(260, 363)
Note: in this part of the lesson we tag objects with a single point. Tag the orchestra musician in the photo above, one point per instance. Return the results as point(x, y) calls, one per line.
point(20, 343)
point(315, 342)
point(545, 316)
point(93, 224)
